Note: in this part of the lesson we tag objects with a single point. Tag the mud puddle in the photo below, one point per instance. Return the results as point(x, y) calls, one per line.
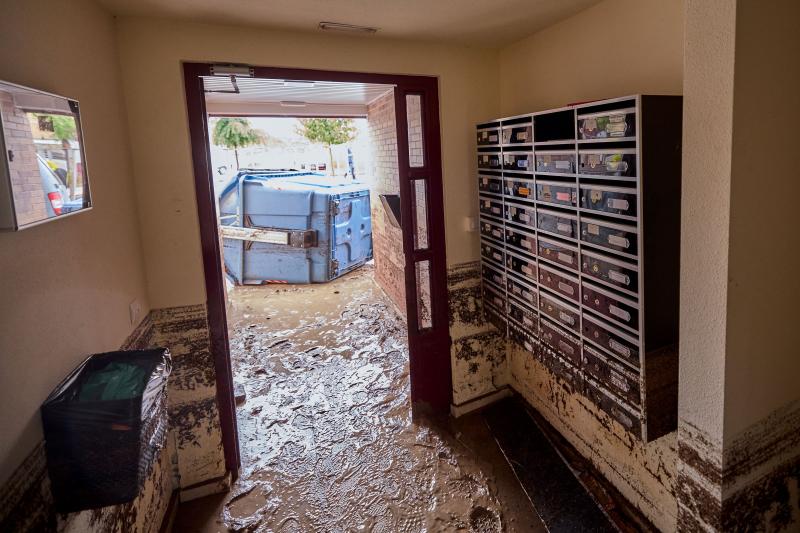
point(327, 434)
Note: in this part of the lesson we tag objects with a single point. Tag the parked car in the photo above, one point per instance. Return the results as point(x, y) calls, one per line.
point(55, 192)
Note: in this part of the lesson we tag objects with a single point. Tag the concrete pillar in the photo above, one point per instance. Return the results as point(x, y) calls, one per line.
point(739, 407)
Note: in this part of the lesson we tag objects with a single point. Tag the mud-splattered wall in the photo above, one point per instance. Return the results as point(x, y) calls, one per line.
point(643, 473)
point(191, 454)
point(478, 353)
point(752, 484)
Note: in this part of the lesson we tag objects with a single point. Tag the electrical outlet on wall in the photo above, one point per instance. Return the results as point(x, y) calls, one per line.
point(470, 224)
point(135, 312)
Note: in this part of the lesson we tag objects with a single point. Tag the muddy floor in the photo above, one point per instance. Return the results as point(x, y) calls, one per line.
point(328, 439)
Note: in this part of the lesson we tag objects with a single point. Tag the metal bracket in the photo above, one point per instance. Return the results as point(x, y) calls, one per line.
point(242, 71)
point(287, 237)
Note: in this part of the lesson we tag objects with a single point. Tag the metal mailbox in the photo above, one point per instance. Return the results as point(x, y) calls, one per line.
point(584, 205)
point(519, 188)
point(522, 290)
point(555, 161)
point(559, 311)
point(517, 134)
point(495, 317)
point(559, 282)
point(488, 136)
point(619, 310)
point(611, 339)
point(489, 161)
point(557, 252)
point(490, 184)
point(493, 253)
point(557, 193)
point(493, 296)
point(619, 274)
point(517, 161)
point(557, 223)
point(525, 215)
point(607, 124)
point(493, 275)
point(614, 375)
point(627, 417)
point(614, 163)
point(524, 267)
point(566, 344)
point(490, 207)
point(491, 230)
point(562, 369)
point(619, 201)
point(523, 337)
point(522, 241)
point(617, 237)
point(522, 314)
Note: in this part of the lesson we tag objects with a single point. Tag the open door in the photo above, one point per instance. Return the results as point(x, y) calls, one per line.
point(422, 215)
point(422, 209)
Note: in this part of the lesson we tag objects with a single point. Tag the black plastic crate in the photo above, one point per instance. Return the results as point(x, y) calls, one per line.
point(100, 450)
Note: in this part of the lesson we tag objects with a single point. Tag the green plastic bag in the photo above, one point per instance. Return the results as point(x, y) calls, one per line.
point(117, 381)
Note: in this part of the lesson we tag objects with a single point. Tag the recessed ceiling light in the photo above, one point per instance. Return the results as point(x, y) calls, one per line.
point(290, 103)
point(299, 83)
point(338, 26)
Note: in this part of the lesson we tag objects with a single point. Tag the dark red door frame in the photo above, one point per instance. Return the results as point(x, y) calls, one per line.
point(429, 348)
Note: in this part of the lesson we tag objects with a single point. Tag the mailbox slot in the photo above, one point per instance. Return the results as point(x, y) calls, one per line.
point(556, 193)
point(559, 311)
point(617, 237)
point(522, 241)
point(524, 215)
point(557, 223)
point(567, 345)
point(559, 253)
point(524, 267)
point(615, 308)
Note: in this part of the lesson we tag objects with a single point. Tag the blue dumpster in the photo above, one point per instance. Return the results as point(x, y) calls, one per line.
point(293, 227)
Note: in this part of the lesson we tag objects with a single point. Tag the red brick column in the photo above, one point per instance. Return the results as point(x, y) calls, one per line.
point(387, 240)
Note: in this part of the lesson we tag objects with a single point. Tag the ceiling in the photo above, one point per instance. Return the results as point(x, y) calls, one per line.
point(288, 97)
point(484, 23)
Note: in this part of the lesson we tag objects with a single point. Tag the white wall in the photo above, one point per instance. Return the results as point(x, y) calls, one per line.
point(66, 285)
point(151, 52)
point(762, 353)
point(614, 48)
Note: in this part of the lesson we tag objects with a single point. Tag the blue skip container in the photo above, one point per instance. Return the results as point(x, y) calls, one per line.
point(293, 227)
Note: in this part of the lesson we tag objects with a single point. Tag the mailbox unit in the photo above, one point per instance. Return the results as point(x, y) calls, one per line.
point(580, 236)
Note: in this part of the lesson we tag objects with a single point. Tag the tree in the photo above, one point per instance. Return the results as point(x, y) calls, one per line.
point(236, 133)
point(328, 131)
point(64, 130)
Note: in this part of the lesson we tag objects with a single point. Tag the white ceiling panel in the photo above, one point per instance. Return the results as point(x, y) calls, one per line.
point(264, 96)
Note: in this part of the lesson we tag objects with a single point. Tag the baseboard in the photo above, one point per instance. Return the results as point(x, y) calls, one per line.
point(206, 488)
point(480, 402)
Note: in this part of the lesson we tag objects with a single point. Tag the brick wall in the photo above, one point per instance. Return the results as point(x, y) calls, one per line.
point(26, 183)
point(387, 239)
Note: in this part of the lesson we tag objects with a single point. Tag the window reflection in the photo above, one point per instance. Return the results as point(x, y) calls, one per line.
point(45, 164)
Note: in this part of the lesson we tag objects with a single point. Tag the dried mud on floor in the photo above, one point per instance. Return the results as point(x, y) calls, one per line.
point(327, 437)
